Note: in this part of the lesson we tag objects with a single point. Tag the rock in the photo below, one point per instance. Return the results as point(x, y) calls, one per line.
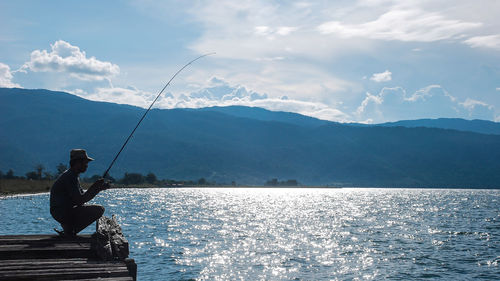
point(109, 242)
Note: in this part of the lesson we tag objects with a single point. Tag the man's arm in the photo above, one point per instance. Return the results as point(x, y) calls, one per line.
point(94, 189)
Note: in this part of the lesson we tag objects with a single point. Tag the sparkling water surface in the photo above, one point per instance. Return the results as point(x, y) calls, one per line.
point(294, 234)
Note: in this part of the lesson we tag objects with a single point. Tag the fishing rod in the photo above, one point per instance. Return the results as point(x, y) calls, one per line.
point(145, 113)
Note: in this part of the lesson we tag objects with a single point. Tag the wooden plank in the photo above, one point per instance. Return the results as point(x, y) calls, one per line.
point(102, 266)
point(30, 236)
point(44, 241)
point(61, 245)
point(35, 237)
point(59, 269)
point(49, 262)
point(65, 273)
point(37, 253)
point(105, 279)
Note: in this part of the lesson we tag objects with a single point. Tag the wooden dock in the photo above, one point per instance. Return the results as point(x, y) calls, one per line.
point(51, 257)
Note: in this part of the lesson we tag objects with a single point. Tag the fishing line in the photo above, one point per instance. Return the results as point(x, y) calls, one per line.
point(145, 113)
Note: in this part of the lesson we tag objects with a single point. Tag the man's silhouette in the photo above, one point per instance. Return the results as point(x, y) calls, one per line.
point(67, 198)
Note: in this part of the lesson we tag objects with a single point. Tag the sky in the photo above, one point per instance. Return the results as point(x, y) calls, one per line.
point(368, 61)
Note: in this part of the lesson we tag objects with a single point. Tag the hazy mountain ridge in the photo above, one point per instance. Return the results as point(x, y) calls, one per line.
point(246, 145)
point(266, 115)
point(477, 126)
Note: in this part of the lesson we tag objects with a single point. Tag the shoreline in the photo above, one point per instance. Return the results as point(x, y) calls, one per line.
point(24, 186)
point(9, 195)
point(4, 195)
point(16, 187)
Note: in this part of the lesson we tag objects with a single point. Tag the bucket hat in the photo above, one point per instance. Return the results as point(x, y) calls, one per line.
point(77, 154)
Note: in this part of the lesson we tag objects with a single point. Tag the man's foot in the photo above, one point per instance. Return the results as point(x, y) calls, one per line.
point(64, 234)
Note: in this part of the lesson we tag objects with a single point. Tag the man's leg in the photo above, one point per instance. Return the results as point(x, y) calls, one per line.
point(65, 218)
point(85, 215)
point(68, 229)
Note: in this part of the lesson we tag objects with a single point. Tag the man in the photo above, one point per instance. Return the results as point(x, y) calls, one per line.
point(67, 198)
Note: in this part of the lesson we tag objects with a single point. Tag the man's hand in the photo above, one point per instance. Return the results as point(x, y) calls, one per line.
point(101, 184)
point(105, 185)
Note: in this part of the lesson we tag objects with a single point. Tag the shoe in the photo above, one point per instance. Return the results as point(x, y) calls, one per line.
point(64, 234)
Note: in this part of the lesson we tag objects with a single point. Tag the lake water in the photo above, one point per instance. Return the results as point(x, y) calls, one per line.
point(295, 234)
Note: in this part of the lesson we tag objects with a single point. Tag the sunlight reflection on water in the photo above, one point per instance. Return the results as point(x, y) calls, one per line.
point(303, 234)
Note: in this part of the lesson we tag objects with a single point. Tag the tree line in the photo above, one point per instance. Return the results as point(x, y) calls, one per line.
point(40, 173)
point(276, 182)
point(150, 178)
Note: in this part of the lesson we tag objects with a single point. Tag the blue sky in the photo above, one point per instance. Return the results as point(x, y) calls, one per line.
point(366, 61)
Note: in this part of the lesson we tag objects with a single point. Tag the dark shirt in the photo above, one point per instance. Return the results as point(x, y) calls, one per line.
point(66, 192)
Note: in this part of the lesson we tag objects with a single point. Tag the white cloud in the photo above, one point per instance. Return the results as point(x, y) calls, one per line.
point(403, 25)
point(369, 109)
point(478, 109)
point(67, 58)
point(6, 77)
point(218, 93)
point(285, 30)
point(221, 93)
point(262, 30)
point(390, 104)
point(129, 95)
point(256, 30)
point(370, 99)
point(393, 104)
point(272, 32)
point(471, 104)
point(382, 77)
point(490, 41)
point(297, 81)
point(431, 93)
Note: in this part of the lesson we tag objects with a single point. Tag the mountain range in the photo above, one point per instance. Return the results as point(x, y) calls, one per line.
point(245, 145)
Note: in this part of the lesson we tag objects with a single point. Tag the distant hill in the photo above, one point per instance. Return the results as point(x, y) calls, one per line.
point(478, 126)
point(245, 145)
point(267, 115)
